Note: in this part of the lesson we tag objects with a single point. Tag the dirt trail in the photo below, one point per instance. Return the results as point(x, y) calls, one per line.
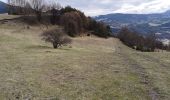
point(137, 68)
point(143, 75)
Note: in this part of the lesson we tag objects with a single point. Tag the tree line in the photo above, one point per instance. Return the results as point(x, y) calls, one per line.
point(143, 43)
point(136, 41)
point(74, 22)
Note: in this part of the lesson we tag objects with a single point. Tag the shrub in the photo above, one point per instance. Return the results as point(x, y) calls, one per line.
point(133, 39)
point(167, 47)
point(67, 9)
point(99, 28)
point(72, 23)
point(75, 23)
point(57, 37)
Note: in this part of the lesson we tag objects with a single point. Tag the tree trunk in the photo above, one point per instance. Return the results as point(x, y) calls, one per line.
point(39, 16)
point(55, 45)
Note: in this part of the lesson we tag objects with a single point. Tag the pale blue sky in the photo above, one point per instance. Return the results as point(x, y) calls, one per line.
point(100, 7)
point(3, 0)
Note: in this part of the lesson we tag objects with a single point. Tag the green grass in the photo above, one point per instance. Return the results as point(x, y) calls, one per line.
point(93, 69)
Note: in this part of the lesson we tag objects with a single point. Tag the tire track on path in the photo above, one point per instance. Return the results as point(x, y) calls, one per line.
point(141, 72)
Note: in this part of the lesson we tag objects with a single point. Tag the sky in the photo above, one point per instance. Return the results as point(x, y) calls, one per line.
point(101, 7)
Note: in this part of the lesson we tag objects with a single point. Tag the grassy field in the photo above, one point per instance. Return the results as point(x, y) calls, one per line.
point(93, 69)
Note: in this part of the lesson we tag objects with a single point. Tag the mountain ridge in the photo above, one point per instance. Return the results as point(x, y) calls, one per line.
point(3, 7)
point(142, 23)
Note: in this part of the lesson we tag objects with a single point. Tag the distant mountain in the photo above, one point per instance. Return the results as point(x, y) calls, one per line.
point(142, 23)
point(3, 7)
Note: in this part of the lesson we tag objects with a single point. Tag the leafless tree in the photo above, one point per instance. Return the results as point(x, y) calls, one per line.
point(168, 46)
point(21, 6)
point(57, 37)
point(16, 6)
point(11, 6)
point(25, 7)
point(38, 6)
point(55, 7)
point(28, 9)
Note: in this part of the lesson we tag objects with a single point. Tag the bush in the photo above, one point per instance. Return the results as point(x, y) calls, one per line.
point(75, 23)
point(67, 9)
point(72, 23)
point(57, 37)
point(99, 28)
point(138, 42)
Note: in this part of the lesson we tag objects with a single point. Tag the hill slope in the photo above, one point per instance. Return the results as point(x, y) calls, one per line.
point(3, 7)
point(94, 68)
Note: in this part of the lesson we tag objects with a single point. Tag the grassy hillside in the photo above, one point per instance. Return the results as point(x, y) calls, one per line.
point(93, 69)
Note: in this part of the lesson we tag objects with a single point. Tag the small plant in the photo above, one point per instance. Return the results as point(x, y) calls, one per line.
point(57, 37)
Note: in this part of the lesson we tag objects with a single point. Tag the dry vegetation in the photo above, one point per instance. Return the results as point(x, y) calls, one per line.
point(6, 16)
point(93, 69)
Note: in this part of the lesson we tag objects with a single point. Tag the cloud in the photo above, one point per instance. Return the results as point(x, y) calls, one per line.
point(100, 7)
point(154, 6)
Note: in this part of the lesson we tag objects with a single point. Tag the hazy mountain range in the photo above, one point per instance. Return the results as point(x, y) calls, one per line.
point(142, 23)
point(3, 7)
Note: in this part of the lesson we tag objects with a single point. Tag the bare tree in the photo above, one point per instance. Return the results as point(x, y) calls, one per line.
point(55, 7)
point(38, 6)
point(9, 7)
point(21, 6)
point(168, 48)
point(57, 37)
point(28, 9)
point(16, 6)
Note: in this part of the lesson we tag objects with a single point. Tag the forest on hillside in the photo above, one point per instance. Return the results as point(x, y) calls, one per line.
point(75, 23)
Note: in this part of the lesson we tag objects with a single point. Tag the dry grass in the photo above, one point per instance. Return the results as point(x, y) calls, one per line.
point(93, 69)
point(6, 16)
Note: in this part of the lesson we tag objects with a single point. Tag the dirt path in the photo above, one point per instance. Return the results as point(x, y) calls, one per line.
point(138, 69)
point(156, 65)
